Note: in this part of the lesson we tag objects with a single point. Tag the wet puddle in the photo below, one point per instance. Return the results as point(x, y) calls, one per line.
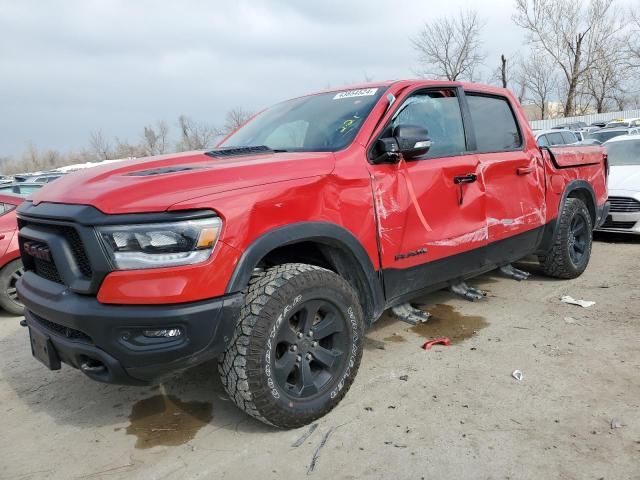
point(446, 322)
point(167, 420)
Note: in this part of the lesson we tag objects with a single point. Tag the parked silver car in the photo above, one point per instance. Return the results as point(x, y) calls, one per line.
point(624, 185)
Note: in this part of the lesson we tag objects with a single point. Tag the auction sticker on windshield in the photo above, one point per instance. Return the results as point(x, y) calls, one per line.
point(362, 92)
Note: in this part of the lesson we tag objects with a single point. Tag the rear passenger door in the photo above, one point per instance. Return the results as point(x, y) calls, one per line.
point(512, 172)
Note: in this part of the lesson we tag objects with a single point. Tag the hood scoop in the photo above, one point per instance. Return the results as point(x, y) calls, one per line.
point(160, 171)
point(236, 151)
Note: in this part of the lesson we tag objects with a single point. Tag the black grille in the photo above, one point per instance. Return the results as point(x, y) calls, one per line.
point(62, 330)
point(611, 224)
point(47, 270)
point(623, 205)
point(79, 253)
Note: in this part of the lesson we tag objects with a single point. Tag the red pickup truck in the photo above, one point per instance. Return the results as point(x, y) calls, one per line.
point(276, 249)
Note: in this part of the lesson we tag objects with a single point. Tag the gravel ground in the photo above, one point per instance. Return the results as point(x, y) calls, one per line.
point(449, 412)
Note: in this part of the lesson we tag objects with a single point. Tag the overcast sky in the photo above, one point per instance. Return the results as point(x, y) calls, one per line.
point(70, 67)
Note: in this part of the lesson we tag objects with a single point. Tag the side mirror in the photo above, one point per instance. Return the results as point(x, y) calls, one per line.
point(413, 141)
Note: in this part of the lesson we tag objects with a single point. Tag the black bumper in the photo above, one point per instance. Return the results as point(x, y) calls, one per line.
point(106, 341)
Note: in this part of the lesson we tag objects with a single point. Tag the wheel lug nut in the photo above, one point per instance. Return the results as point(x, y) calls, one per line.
point(315, 344)
point(300, 335)
point(310, 333)
point(298, 359)
point(308, 356)
point(294, 348)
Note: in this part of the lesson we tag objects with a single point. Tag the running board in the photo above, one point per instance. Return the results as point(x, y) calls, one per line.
point(512, 272)
point(409, 314)
point(467, 292)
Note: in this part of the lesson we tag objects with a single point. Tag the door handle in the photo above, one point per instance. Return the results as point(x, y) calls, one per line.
point(524, 170)
point(470, 178)
point(2, 236)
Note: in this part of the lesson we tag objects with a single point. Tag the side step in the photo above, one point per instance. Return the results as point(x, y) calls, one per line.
point(408, 313)
point(512, 272)
point(467, 292)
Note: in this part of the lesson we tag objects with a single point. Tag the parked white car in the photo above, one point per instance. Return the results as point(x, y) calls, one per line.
point(624, 185)
point(626, 123)
point(549, 138)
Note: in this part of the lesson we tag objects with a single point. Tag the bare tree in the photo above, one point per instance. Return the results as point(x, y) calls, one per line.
point(503, 71)
point(606, 80)
point(540, 79)
point(235, 118)
point(194, 135)
point(155, 139)
point(450, 47)
point(570, 34)
point(99, 145)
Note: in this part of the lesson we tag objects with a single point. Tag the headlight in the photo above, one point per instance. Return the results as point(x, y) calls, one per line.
point(159, 245)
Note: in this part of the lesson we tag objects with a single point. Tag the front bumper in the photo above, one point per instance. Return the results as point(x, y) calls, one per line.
point(106, 341)
point(618, 221)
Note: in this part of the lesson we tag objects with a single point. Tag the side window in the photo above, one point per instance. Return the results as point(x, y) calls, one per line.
point(555, 139)
point(542, 141)
point(438, 112)
point(494, 124)
point(569, 137)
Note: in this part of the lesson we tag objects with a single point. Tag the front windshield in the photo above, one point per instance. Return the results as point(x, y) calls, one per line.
point(604, 136)
point(326, 122)
point(624, 153)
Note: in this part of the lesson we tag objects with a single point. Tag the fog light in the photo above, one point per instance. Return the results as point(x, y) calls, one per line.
point(164, 333)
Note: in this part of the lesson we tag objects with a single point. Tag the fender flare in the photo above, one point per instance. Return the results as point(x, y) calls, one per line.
point(324, 233)
point(551, 228)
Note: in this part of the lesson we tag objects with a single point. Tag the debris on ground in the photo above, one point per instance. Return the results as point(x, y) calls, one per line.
point(446, 341)
point(616, 423)
point(570, 320)
point(305, 435)
point(572, 301)
point(404, 377)
point(518, 375)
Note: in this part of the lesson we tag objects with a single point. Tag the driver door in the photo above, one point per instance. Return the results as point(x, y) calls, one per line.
point(430, 210)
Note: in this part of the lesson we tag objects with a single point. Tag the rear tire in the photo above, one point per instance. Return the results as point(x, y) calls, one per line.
point(571, 250)
point(9, 275)
point(297, 345)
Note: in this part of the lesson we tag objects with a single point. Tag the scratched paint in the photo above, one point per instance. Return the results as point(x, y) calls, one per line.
point(479, 235)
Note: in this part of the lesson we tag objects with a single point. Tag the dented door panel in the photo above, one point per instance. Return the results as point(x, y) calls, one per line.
point(451, 227)
point(514, 183)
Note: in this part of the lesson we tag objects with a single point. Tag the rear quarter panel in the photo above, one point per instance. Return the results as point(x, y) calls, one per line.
point(564, 165)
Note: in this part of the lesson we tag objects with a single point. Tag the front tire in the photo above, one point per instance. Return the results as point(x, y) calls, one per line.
point(571, 250)
point(9, 275)
point(297, 345)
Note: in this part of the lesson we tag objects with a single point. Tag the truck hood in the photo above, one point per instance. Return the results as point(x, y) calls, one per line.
point(153, 184)
point(624, 177)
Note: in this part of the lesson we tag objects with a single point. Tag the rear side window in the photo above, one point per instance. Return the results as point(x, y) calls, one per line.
point(494, 123)
point(439, 112)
